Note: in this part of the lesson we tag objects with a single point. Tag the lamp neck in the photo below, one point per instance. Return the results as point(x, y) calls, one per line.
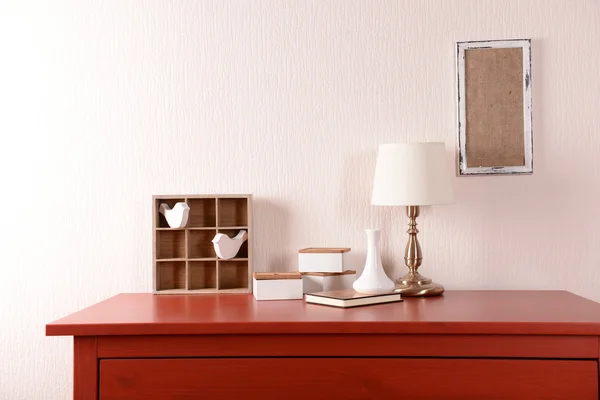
point(412, 212)
point(412, 254)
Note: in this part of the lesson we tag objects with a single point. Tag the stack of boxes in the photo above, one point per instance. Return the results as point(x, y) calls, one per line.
point(324, 269)
point(320, 269)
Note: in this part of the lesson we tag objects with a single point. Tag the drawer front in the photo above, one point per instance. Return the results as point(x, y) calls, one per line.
point(346, 378)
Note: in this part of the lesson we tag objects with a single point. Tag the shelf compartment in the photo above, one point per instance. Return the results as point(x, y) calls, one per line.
point(243, 252)
point(233, 274)
point(200, 244)
point(203, 213)
point(170, 275)
point(233, 212)
point(170, 244)
point(161, 221)
point(202, 275)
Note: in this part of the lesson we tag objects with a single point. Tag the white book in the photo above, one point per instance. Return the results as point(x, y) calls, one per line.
point(350, 298)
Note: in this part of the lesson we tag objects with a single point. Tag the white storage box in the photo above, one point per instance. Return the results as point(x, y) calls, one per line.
point(313, 282)
point(277, 286)
point(316, 259)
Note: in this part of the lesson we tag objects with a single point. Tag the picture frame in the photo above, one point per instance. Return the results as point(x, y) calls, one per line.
point(494, 84)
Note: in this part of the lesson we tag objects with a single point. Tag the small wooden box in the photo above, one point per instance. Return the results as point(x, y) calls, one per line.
point(325, 281)
point(277, 286)
point(315, 259)
point(184, 259)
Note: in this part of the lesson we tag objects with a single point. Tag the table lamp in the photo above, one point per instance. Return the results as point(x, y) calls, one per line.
point(413, 175)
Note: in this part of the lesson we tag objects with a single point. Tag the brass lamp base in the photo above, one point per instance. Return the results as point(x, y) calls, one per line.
point(413, 283)
point(417, 285)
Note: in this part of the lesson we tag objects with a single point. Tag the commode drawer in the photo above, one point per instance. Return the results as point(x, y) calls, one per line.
point(347, 378)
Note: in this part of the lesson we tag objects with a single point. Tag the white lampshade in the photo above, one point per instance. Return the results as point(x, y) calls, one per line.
point(412, 174)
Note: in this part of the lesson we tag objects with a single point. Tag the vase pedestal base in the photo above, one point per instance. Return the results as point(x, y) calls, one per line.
point(416, 285)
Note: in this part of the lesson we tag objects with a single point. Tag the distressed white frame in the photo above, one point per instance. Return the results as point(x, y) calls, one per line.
point(525, 44)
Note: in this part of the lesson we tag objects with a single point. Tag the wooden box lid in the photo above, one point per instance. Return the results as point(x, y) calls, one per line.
point(270, 276)
point(325, 250)
point(348, 272)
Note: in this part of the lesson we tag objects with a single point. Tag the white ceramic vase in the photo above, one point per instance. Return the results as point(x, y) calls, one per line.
point(373, 279)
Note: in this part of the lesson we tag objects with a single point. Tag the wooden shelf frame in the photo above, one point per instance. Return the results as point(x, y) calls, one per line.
point(184, 260)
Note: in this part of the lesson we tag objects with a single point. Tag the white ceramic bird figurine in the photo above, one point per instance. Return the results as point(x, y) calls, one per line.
point(227, 247)
point(177, 217)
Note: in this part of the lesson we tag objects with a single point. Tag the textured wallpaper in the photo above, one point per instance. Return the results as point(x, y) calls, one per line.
point(104, 103)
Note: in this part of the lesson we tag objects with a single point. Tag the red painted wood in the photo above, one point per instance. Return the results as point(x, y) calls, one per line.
point(349, 345)
point(349, 378)
point(458, 312)
point(85, 371)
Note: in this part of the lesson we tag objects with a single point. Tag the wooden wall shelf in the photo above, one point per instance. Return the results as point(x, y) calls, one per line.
point(184, 259)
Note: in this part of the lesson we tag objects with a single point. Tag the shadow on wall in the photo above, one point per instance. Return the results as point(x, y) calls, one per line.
point(356, 210)
point(490, 214)
point(272, 224)
point(525, 224)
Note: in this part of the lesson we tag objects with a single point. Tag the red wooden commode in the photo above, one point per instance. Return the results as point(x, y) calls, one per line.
point(463, 345)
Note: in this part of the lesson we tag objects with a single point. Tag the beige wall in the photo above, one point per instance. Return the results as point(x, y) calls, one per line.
point(104, 103)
